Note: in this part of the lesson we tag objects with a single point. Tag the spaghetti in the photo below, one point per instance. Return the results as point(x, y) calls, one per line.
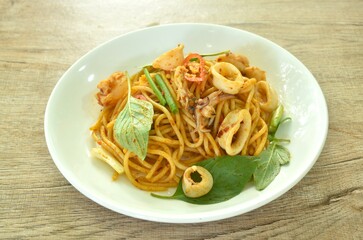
point(222, 103)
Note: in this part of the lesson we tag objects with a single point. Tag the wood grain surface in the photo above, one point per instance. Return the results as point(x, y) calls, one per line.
point(40, 40)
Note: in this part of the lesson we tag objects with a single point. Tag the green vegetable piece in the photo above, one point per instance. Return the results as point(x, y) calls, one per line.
point(133, 124)
point(230, 175)
point(275, 119)
point(215, 54)
point(269, 165)
point(275, 123)
point(168, 97)
point(154, 87)
point(210, 55)
point(282, 154)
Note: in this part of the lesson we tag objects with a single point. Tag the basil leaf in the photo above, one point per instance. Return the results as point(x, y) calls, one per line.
point(269, 164)
point(133, 124)
point(281, 154)
point(230, 175)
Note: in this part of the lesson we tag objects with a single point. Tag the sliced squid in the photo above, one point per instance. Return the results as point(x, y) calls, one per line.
point(234, 130)
point(193, 188)
point(227, 77)
point(239, 61)
point(255, 72)
point(204, 110)
point(171, 59)
point(266, 96)
point(101, 154)
point(112, 89)
point(248, 84)
point(182, 93)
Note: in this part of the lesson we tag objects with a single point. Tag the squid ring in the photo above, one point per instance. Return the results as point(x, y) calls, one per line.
point(227, 77)
point(200, 185)
point(266, 96)
point(234, 130)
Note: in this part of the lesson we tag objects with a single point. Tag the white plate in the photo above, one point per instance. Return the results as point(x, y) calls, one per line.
point(72, 109)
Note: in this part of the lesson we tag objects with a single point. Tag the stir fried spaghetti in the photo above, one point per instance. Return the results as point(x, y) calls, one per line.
point(222, 107)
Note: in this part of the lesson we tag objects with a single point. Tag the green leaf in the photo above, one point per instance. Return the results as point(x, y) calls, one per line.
point(269, 165)
point(230, 175)
point(133, 124)
point(281, 154)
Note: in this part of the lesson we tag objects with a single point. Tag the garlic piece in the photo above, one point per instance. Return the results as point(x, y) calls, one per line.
point(197, 181)
point(227, 77)
point(233, 132)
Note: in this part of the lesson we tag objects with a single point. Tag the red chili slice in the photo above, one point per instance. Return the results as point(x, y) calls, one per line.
point(202, 73)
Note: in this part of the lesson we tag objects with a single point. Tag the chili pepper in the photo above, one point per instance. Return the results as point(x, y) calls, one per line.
point(202, 73)
point(275, 119)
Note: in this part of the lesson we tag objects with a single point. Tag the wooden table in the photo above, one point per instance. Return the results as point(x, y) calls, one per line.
point(40, 39)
